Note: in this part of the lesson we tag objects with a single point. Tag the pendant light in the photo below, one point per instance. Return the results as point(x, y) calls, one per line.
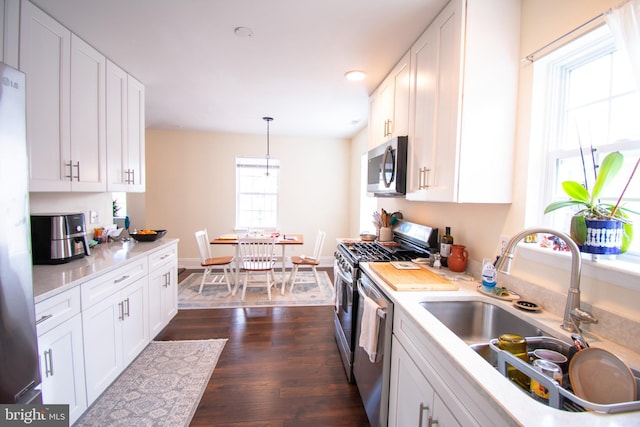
point(267, 119)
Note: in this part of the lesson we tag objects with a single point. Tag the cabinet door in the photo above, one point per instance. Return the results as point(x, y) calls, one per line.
point(136, 139)
point(117, 151)
point(411, 396)
point(413, 401)
point(62, 367)
point(392, 115)
point(434, 142)
point(163, 289)
point(135, 333)
point(102, 344)
point(88, 137)
point(45, 47)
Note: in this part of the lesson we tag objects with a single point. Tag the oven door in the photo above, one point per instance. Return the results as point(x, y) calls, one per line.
point(344, 317)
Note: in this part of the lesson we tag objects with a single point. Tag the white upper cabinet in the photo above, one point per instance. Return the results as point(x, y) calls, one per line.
point(463, 102)
point(125, 131)
point(68, 101)
point(45, 58)
point(389, 105)
point(9, 31)
point(88, 137)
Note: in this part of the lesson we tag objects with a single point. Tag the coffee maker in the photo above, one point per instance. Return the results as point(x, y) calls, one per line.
point(58, 238)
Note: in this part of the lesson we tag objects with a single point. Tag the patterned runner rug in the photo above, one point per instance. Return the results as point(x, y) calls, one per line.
point(161, 387)
point(305, 293)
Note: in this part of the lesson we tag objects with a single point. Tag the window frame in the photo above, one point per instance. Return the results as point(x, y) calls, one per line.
point(260, 164)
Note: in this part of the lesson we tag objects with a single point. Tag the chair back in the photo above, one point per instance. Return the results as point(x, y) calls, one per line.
point(319, 245)
point(202, 239)
point(256, 253)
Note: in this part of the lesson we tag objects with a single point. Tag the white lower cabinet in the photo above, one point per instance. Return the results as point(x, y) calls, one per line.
point(163, 289)
point(115, 332)
point(88, 334)
point(60, 352)
point(413, 400)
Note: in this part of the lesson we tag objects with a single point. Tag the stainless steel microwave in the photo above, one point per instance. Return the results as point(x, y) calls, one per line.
point(387, 168)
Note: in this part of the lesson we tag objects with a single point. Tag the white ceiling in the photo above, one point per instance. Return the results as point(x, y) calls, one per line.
point(199, 75)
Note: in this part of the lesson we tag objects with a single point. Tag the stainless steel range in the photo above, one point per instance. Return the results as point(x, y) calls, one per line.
point(411, 241)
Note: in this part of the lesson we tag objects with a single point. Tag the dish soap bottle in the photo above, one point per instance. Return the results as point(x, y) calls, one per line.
point(489, 274)
point(445, 246)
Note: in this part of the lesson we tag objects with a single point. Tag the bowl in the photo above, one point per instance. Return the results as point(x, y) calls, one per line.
point(365, 237)
point(148, 237)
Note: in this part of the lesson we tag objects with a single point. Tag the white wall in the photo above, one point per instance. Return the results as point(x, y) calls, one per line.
point(191, 185)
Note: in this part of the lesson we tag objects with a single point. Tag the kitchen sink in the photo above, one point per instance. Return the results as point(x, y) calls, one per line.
point(478, 322)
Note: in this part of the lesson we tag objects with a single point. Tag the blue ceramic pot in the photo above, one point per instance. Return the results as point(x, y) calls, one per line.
point(604, 237)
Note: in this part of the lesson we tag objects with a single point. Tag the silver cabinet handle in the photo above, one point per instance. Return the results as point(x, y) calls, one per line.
point(125, 277)
point(423, 408)
point(43, 318)
point(69, 165)
point(48, 363)
point(133, 176)
point(121, 310)
point(127, 312)
point(423, 182)
point(77, 166)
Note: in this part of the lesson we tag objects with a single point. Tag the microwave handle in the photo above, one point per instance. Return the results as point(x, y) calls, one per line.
point(388, 152)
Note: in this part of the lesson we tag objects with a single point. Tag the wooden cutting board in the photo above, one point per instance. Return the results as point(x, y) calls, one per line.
point(411, 280)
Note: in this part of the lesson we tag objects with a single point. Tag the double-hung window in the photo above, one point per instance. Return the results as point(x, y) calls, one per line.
point(586, 105)
point(257, 193)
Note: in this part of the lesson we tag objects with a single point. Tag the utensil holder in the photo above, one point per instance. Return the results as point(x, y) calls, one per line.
point(386, 234)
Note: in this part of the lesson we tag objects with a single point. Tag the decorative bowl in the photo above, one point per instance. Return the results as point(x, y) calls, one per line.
point(148, 237)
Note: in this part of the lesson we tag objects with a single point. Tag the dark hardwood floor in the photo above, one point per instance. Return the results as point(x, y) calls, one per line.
point(279, 367)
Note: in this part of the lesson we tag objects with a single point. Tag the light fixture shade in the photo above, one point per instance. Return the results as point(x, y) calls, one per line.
point(355, 75)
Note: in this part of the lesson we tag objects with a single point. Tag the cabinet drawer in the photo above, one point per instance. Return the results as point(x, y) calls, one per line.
point(162, 257)
point(55, 310)
point(101, 287)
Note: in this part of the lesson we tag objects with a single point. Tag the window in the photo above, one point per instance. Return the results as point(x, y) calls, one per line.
point(588, 109)
point(257, 193)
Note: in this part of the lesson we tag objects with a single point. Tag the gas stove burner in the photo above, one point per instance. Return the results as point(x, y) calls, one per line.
point(374, 252)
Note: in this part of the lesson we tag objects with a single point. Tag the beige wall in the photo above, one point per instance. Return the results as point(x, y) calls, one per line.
point(191, 185)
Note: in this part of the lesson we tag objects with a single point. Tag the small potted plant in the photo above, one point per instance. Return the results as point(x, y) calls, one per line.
point(599, 228)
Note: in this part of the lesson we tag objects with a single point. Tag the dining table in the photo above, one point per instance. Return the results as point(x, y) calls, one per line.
point(282, 240)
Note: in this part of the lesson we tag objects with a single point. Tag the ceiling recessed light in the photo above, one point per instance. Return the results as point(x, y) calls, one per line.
point(243, 32)
point(355, 75)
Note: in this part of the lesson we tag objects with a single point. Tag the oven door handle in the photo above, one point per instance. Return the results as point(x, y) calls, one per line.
point(382, 313)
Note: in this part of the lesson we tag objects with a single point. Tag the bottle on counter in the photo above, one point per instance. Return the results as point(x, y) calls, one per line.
point(445, 246)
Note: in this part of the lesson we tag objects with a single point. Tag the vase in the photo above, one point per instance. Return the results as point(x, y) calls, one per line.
point(603, 237)
point(457, 261)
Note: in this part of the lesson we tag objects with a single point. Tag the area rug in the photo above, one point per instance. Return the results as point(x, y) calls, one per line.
point(306, 292)
point(161, 387)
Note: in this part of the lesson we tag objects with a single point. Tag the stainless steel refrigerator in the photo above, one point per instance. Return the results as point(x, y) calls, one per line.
point(19, 372)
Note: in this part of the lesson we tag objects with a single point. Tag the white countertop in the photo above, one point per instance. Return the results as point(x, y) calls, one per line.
point(520, 407)
point(50, 280)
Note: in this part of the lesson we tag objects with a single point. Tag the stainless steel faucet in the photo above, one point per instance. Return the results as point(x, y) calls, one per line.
point(573, 295)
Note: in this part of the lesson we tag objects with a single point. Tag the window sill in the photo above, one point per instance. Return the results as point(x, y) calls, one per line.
point(622, 273)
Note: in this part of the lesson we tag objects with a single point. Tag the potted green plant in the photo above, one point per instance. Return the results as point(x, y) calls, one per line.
point(600, 228)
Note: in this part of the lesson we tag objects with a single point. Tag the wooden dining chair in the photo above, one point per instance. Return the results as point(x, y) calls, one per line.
point(308, 261)
point(257, 256)
point(209, 262)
